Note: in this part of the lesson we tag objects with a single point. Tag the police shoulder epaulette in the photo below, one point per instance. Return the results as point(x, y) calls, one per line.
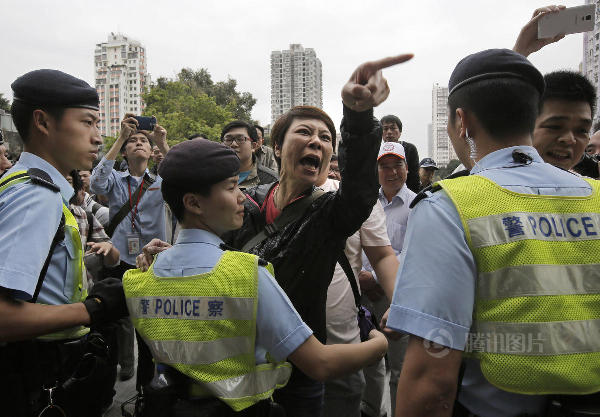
point(42, 178)
point(262, 262)
point(436, 187)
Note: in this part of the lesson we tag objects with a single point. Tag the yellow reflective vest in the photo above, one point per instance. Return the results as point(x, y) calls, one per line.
point(536, 319)
point(78, 282)
point(205, 327)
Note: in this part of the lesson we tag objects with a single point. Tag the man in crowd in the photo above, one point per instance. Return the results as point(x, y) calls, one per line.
point(264, 153)
point(467, 300)
point(43, 304)
point(593, 147)
point(136, 206)
point(90, 205)
point(5, 163)
point(395, 197)
point(427, 168)
point(157, 157)
point(343, 395)
point(334, 168)
point(243, 139)
point(392, 130)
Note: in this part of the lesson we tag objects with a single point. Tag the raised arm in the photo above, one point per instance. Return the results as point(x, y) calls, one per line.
point(361, 137)
point(527, 41)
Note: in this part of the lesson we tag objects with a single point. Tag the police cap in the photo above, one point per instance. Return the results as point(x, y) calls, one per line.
point(494, 63)
point(48, 87)
point(198, 162)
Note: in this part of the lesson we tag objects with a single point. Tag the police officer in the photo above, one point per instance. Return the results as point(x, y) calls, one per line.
point(44, 306)
point(516, 251)
point(427, 168)
point(227, 327)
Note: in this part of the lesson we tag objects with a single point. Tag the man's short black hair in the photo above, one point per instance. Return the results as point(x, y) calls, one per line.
point(22, 115)
point(568, 86)
point(262, 129)
point(240, 123)
point(390, 118)
point(197, 135)
point(503, 106)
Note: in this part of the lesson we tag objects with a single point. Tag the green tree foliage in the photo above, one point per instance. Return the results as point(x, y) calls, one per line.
point(193, 103)
point(442, 173)
point(4, 103)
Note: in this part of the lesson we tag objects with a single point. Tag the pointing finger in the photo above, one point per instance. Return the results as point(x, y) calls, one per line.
point(391, 61)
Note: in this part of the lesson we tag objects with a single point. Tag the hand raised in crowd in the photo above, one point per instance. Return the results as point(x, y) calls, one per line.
point(128, 126)
point(528, 42)
point(145, 259)
point(367, 88)
point(159, 137)
point(99, 248)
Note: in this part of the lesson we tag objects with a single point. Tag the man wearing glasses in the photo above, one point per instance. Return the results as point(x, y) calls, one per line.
point(242, 138)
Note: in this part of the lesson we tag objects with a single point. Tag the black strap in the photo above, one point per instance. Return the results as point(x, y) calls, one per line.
point(58, 237)
point(90, 220)
point(126, 208)
point(290, 213)
point(345, 264)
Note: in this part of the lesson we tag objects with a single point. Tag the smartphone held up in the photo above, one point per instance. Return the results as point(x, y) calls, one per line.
point(566, 21)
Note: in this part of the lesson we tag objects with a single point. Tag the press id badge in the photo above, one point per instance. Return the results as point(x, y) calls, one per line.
point(133, 244)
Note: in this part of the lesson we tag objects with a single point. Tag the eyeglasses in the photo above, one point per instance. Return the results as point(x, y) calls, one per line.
point(239, 139)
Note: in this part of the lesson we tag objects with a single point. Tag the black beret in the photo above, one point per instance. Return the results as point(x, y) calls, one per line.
point(494, 63)
point(48, 87)
point(198, 162)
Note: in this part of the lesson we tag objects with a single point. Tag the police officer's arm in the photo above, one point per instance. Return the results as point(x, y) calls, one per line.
point(385, 264)
point(21, 321)
point(528, 42)
point(429, 379)
point(323, 362)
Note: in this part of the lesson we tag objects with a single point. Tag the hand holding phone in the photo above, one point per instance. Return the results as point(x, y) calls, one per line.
point(570, 20)
point(145, 123)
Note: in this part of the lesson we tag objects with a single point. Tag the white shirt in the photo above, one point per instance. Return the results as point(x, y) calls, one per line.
point(342, 326)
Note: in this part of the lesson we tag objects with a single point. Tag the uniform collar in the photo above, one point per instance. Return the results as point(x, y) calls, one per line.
point(28, 160)
point(503, 158)
point(198, 236)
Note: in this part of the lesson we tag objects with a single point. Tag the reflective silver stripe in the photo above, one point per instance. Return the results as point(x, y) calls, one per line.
point(531, 280)
point(191, 308)
point(199, 353)
point(265, 378)
point(535, 339)
point(511, 227)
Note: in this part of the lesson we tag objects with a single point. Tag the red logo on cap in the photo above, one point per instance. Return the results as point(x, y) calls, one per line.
point(388, 147)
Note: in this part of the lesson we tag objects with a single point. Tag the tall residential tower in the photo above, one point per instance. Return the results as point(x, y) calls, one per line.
point(296, 79)
point(121, 77)
point(591, 55)
point(443, 151)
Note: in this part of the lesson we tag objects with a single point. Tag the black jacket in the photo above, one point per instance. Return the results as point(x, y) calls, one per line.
point(305, 252)
point(412, 162)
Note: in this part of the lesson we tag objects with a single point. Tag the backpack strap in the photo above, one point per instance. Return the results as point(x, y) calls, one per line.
point(126, 208)
point(290, 213)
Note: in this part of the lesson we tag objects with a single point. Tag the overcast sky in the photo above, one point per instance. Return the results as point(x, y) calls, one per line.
point(235, 38)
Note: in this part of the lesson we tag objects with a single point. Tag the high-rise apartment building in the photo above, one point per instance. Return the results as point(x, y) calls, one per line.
point(443, 152)
point(591, 55)
point(296, 79)
point(121, 78)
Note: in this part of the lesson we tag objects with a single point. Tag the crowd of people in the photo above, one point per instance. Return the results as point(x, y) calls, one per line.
point(309, 277)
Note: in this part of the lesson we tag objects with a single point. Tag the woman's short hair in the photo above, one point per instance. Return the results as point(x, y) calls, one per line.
point(284, 122)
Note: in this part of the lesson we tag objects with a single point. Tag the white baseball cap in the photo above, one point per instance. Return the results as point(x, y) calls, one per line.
point(391, 148)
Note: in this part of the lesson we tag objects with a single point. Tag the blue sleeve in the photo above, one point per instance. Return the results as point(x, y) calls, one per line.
point(280, 330)
point(29, 218)
point(102, 179)
point(435, 286)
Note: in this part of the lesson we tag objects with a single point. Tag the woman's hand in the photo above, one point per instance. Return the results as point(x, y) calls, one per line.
point(367, 88)
point(144, 259)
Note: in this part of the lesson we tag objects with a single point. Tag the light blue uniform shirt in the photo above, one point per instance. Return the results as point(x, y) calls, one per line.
point(29, 217)
point(279, 328)
point(435, 286)
point(150, 218)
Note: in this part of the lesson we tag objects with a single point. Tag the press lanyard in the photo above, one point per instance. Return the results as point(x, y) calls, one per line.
point(134, 210)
